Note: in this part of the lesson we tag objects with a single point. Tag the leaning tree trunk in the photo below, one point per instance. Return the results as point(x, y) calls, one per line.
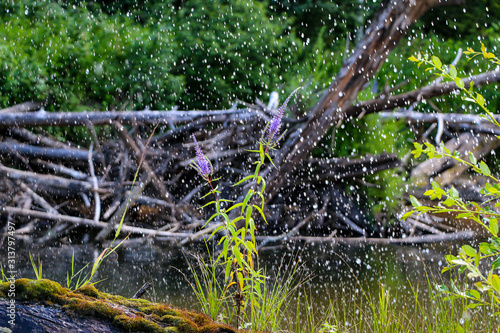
point(389, 25)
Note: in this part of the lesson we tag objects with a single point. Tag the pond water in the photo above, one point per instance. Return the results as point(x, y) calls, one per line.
point(332, 265)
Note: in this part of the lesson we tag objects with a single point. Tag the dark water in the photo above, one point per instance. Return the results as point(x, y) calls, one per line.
point(334, 267)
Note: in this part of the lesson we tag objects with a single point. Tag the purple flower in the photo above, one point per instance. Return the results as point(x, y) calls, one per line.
point(202, 164)
point(275, 124)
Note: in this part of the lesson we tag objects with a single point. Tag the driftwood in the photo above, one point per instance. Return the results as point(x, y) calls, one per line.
point(341, 168)
point(38, 317)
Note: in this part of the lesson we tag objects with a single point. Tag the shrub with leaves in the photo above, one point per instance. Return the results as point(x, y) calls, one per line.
point(486, 290)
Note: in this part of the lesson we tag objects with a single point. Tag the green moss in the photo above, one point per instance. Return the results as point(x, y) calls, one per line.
point(131, 315)
point(88, 290)
point(93, 308)
point(137, 324)
point(40, 290)
point(160, 310)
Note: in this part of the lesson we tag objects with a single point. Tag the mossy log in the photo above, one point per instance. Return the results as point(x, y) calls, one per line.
point(46, 306)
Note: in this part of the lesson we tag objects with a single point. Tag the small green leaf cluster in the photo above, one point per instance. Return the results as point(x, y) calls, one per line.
point(450, 73)
point(486, 289)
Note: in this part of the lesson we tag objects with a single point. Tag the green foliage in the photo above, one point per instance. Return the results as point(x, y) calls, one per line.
point(71, 58)
point(373, 135)
point(36, 269)
point(210, 290)
point(79, 55)
point(231, 50)
point(238, 242)
point(342, 18)
point(486, 291)
point(239, 246)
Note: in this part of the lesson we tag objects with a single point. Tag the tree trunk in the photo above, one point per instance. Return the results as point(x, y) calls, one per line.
point(389, 26)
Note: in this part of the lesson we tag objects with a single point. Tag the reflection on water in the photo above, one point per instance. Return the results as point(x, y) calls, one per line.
point(333, 266)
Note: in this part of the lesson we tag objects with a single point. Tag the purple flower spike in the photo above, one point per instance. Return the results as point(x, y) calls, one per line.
point(275, 124)
point(202, 164)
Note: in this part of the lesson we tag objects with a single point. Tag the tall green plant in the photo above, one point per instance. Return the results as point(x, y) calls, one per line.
point(486, 290)
point(238, 242)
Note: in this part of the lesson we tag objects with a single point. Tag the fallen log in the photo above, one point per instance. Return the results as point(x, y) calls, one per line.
point(23, 107)
point(49, 181)
point(8, 120)
point(408, 98)
point(45, 306)
point(62, 154)
point(89, 222)
point(414, 117)
point(345, 167)
point(389, 25)
point(432, 238)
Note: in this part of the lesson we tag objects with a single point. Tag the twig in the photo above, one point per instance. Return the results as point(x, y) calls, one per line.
point(87, 222)
point(63, 169)
point(131, 145)
point(97, 198)
point(117, 216)
point(432, 238)
point(38, 199)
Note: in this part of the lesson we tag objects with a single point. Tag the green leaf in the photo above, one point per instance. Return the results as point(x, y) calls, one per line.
point(469, 250)
point(412, 58)
point(473, 159)
point(494, 226)
point(260, 212)
point(474, 293)
point(459, 83)
point(234, 206)
point(216, 231)
point(210, 219)
point(228, 270)
point(485, 170)
point(261, 152)
point(454, 193)
point(495, 282)
point(245, 201)
point(414, 201)
point(485, 248)
point(449, 202)
point(208, 204)
point(480, 99)
point(248, 216)
point(244, 179)
point(407, 214)
point(263, 186)
point(496, 263)
point(437, 62)
point(453, 72)
point(271, 160)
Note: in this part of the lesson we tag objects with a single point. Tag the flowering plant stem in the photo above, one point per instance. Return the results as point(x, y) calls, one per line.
point(238, 242)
